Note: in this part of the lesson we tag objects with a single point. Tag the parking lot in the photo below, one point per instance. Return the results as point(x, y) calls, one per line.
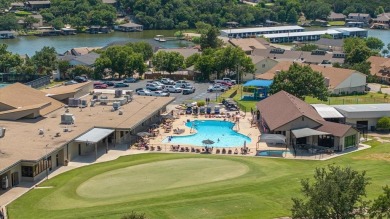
point(200, 92)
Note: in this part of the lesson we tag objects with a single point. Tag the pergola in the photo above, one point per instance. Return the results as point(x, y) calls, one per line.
point(95, 135)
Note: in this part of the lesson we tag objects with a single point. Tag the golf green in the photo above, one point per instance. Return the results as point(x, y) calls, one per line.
point(160, 175)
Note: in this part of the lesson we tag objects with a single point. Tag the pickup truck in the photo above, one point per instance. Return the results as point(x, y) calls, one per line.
point(217, 87)
point(233, 82)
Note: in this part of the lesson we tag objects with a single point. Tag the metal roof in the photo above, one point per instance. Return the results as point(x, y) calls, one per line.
point(272, 138)
point(327, 111)
point(364, 107)
point(349, 29)
point(306, 132)
point(306, 33)
point(94, 135)
point(261, 29)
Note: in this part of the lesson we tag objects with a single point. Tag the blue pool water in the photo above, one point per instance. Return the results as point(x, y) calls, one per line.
point(213, 130)
point(272, 153)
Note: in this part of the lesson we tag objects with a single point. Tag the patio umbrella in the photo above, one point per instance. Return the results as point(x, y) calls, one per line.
point(143, 134)
point(207, 142)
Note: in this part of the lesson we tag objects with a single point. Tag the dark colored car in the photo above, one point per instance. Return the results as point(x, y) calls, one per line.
point(121, 85)
point(109, 83)
point(130, 80)
point(188, 91)
point(80, 79)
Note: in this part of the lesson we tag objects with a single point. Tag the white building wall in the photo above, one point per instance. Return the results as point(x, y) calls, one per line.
point(356, 82)
point(371, 121)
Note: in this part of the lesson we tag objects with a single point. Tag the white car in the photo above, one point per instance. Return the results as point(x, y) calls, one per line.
point(217, 87)
point(159, 93)
point(159, 84)
point(167, 81)
point(144, 92)
point(181, 83)
point(153, 86)
point(172, 89)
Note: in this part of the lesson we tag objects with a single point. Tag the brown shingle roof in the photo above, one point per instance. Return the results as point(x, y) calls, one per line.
point(335, 75)
point(336, 129)
point(282, 108)
point(376, 68)
point(73, 88)
point(247, 44)
point(19, 95)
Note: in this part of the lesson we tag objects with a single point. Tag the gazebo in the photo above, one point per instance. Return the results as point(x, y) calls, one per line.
point(260, 90)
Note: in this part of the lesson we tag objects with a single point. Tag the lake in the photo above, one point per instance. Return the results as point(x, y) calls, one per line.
point(29, 44)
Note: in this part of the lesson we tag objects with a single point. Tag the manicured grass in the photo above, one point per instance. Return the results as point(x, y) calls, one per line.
point(337, 23)
point(353, 99)
point(188, 186)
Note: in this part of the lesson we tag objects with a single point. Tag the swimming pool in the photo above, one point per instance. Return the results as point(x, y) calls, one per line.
point(272, 153)
point(220, 132)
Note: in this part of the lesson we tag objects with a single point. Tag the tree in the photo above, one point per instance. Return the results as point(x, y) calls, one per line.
point(206, 66)
point(191, 60)
point(8, 22)
point(379, 10)
point(357, 54)
point(168, 61)
point(202, 27)
point(63, 67)
point(374, 43)
point(134, 215)
point(210, 39)
point(381, 206)
point(79, 70)
point(29, 21)
point(388, 46)
point(336, 193)
point(8, 60)
point(383, 123)
point(143, 48)
point(385, 52)
point(292, 16)
point(300, 81)
point(45, 60)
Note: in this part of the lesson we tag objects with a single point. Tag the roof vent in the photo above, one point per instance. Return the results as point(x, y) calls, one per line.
point(67, 118)
point(41, 132)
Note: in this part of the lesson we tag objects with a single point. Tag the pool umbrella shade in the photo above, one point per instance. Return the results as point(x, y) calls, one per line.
point(143, 134)
point(208, 142)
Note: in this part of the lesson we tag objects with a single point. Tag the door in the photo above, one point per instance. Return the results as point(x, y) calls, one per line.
point(57, 160)
point(301, 140)
point(14, 179)
point(79, 149)
point(362, 125)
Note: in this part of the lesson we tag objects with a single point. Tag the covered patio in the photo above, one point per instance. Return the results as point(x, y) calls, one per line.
point(312, 141)
point(95, 137)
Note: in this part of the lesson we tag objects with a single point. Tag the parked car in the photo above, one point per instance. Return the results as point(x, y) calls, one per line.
point(167, 81)
point(172, 89)
point(130, 80)
point(224, 83)
point(216, 87)
point(188, 90)
point(120, 84)
point(181, 83)
point(159, 93)
point(159, 84)
point(71, 82)
point(233, 82)
point(143, 92)
point(153, 86)
point(80, 79)
point(100, 86)
point(109, 83)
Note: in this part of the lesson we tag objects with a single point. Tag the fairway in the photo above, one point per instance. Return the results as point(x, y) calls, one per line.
point(160, 175)
point(189, 186)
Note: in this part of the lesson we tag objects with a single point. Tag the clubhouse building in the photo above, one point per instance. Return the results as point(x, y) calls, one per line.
point(46, 129)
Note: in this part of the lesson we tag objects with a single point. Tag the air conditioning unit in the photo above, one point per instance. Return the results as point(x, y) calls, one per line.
point(74, 102)
point(67, 118)
point(118, 93)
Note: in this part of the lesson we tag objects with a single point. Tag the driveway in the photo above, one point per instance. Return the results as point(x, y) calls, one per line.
point(200, 91)
point(376, 87)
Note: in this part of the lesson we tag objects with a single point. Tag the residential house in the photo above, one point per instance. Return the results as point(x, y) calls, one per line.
point(40, 20)
point(358, 17)
point(382, 21)
point(81, 51)
point(380, 68)
point(249, 44)
point(262, 64)
point(36, 5)
point(314, 57)
point(130, 27)
point(285, 114)
point(16, 6)
point(6, 34)
point(338, 80)
point(330, 44)
point(86, 60)
point(335, 17)
point(185, 52)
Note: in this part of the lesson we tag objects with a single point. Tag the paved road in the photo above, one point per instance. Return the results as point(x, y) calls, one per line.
point(200, 92)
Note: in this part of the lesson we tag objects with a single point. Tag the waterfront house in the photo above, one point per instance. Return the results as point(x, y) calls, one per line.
point(335, 17)
point(5, 34)
point(130, 27)
point(81, 51)
point(16, 6)
point(287, 115)
point(337, 80)
point(86, 60)
point(358, 17)
point(380, 68)
point(382, 21)
point(36, 5)
point(94, 29)
point(329, 44)
point(68, 31)
point(39, 18)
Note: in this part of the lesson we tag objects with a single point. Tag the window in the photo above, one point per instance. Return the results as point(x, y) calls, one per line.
point(27, 171)
point(350, 141)
point(326, 140)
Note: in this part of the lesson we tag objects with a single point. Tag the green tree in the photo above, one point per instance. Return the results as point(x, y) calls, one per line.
point(168, 61)
point(8, 60)
point(381, 206)
point(379, 10)
point(385, 52)
point(29, 21)
point(357, 53)
point(101, 65)
point(45, 60)
point(206, 66)
point(292, 16)
point(143, 48)
point(383, 123)
point(63, 67)
point(210, 39)
point(388, 46)
point(300, 81)
point(335, 193)
point(282, 16)
point(374, 43)
point(79, 70)
point(8, 22)
point(202, 27)
point(191, 60)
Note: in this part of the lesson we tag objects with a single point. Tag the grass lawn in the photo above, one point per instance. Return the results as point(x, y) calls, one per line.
point(353, 99)
point(188, 186)
point(337, 23)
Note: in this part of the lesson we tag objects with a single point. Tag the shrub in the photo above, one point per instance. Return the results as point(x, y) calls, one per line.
point(134, 215)
point(383, 123)
point(200, 103)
